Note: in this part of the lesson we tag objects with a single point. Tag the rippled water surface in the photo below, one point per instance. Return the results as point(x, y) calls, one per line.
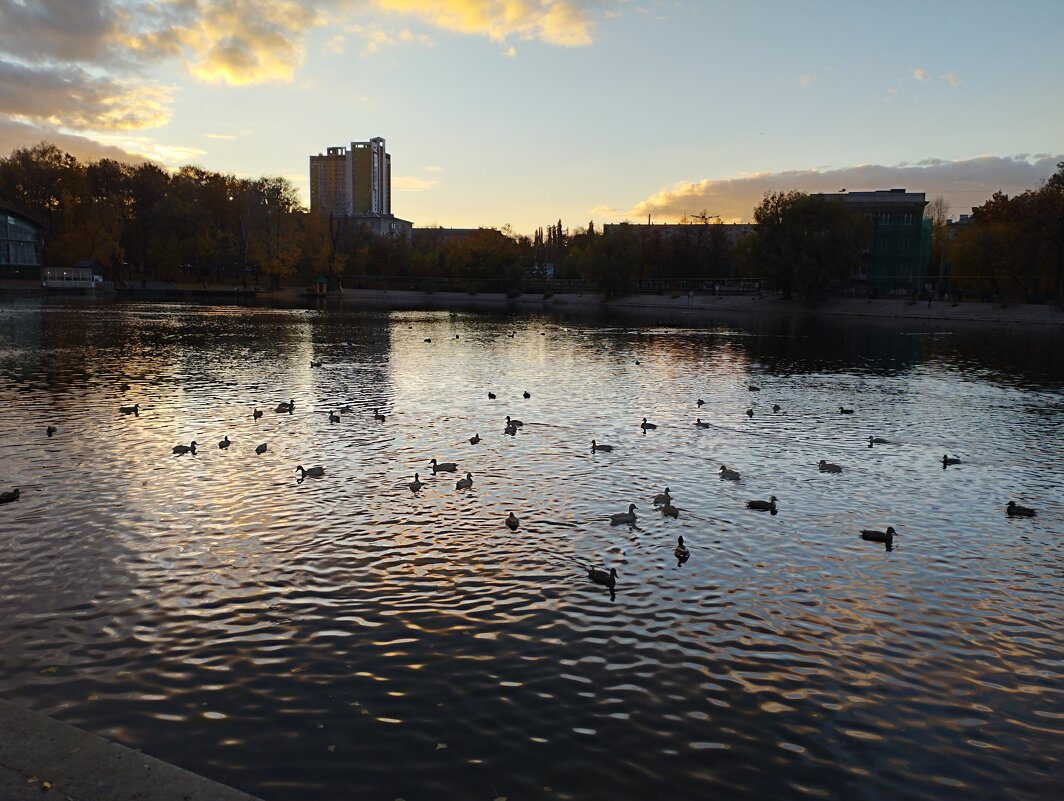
point(344, 637)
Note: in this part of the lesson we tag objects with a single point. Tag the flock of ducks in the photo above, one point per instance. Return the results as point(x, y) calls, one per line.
point(662, 501)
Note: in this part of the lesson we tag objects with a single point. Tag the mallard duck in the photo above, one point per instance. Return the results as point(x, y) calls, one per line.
point(727, 474)
point(134, 409)
point(491, 396)
point(123, 387)
point(669, 510)
point(947, 461)
point(512, 522)
point(443, 467)
point(313, 472)
point(886, 537)
point(844, 410)
point(378, 416)
point(260, 449)
point(750, 412)
point(526, 395)
point(775, 407)
point(829, 467)
point(475, 439)
point(681, 551)
point(333, 417)
point(700, 424)
point(623, 518)
point(464, 483)
point(256, 414)
point(50, 430)
point(600, 576)
point(416, 484)
point(511, 430)
point(763, 506)
point(224, 443)
point(662, 497)
point(286, 407)
point(754, 388)
point(9, 497)
point(314, 363)
point(1015, 510)
point(514, 423)
point(346, 409)
point(700, 403)
point(647, 426)
point(596, 447)
point(182, 449)
point(877, 441)
point(428, 339)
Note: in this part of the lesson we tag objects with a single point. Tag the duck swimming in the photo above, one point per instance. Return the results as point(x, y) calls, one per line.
point(513, 423)
point(828, 467)
point(728, 475)
point(596, 447)
point(700, 424)
point(473, 440)
point(333, 417)
point(512, 522)
point(763, 506)
point(260, 449)
point(947, 461)
point(443, 467)
point(416, 484)
point(600, 576)
point(681, 551)
point(877, 441)
point(622, 518)
point(647, 426)
point(313, 472)
point(183, 449)
point(224, 443)
point(134, 409)
point(844, 410)
point(10, 497)
point(286, 407)
point(1015, 510)
point(464, 483)
point(378, 416)
point(886, 537)
point(662, 497)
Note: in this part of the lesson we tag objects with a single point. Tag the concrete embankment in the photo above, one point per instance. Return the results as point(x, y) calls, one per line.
point(43, 758)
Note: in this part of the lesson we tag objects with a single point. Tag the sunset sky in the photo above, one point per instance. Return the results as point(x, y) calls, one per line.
point(526, 111)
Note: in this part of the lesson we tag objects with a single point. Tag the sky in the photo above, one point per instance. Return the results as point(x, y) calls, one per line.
point(524, 112)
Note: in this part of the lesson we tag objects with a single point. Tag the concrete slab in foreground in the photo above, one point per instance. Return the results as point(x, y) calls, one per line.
point(43, 758)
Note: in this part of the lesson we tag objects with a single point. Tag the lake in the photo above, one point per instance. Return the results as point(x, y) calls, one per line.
point(345, 637)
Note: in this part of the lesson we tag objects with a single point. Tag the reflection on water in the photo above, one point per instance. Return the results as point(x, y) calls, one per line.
point(293, 637)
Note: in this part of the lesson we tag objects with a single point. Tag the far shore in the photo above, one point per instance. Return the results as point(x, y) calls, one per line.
point(698, 306)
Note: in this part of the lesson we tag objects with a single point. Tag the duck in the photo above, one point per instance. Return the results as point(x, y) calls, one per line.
point(134, 409)
point(378, 416)
point(512, 522)
point(600, 576)
point(844, 410)
point(428, 339)
point(877, 441)
point(750, 412)
point(256, 414)
point(313, 472)
point(829, 467)
point(1015, 510)
point(124, 387)
point(511, 335)
point(622, 518)
point(314, 363)
point(647, 426)
point(700, 424)
point(443, 467)
point(886, 537)
point(333, 417)
point(224, 443)
point(511, 430)
point(50, 430)
point(730, 475)
point(491, 396)
point(464, 483)
point(286, 407)
point(947, 461)
point(669, 510)
point(596, 447)
point(260, 449)
point(416, 484)
point(182, 449)
point(681, 551)
point(775, 407)
point(763, 506)
point(514, 423)
point(700, 403)
point(526, 394)
point(662, 497)
point(754, 388)
point(475, 439)
point(10, 497)
point(346, 409)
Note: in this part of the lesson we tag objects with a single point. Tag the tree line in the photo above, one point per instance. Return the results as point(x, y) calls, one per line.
point(143, 222)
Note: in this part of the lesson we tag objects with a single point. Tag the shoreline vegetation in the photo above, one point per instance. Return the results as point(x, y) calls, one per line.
point(697, 305)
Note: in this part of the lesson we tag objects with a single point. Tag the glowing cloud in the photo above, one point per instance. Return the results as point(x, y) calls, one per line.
point(919, 75)
point(558, 22)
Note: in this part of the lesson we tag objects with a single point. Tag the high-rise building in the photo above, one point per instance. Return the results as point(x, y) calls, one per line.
point(352, 180)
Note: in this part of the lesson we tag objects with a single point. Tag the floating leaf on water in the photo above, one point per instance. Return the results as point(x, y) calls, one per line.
point(332, 748)
point(94, 697)
point(440, 746)
point(296, 670)
point(50, 669)
point(46, 785)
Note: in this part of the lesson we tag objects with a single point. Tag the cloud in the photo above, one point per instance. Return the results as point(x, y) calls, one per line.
point(68, 96)
point(963, 184)
point(952, 79)
point(60, 30)
point(919, 75)
point(148, 148)
point(433, 168)
point(807, 80)
point(408, 183)
point(558, 22)
point(376, 38)
point(15, 134)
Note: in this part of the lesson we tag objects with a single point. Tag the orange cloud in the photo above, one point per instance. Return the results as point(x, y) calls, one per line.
point(558, 22)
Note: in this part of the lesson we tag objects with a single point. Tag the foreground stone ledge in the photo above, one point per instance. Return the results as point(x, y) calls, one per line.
point(43, 758)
